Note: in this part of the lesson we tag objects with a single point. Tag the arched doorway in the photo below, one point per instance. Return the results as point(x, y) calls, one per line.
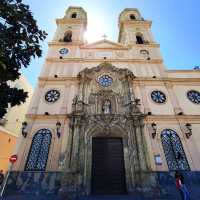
point(108, 170)
point(174, 152)
point(39, 151)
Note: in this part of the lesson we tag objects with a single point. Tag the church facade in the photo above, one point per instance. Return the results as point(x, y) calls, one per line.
point(108, 113)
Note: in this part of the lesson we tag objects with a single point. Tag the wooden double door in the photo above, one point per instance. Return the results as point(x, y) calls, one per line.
point(108, 171)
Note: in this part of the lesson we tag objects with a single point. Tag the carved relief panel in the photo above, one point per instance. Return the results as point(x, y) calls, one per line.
point(105, 88)
point(105, 106)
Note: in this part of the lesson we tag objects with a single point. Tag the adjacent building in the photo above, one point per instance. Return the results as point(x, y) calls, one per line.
point(10, 125)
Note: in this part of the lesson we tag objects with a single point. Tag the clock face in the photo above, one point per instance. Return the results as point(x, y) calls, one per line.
point(105, 80)
point(158, 96)
point(194, 96)
point(52, 96)
point(63, 51)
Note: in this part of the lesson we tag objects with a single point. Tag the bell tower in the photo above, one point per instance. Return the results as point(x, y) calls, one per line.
point(133, 29)
point(71, 27)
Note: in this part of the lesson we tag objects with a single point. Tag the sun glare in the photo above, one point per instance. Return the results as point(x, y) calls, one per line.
point(95, 30)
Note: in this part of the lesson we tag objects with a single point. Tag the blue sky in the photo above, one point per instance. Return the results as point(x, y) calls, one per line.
point(175, 26)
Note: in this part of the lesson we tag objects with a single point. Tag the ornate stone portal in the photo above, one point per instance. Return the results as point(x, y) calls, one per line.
point(101, 110)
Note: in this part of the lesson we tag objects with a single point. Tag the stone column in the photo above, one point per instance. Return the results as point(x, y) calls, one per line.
point(75, 144)
point(173, 98)
point(81, 90)
point(138, 125)
point(133, 153)
point(68, 156)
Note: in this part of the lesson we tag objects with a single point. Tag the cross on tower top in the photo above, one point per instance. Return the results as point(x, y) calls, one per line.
point(104, 36)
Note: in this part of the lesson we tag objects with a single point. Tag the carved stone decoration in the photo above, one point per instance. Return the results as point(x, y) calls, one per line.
point(106, 112)
point(106, 108)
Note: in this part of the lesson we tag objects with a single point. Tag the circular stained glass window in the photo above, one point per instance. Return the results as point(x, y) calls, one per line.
point(158, 96)
point(105, 80)
point(63, 51)
point(52, 96)
point(194, 96)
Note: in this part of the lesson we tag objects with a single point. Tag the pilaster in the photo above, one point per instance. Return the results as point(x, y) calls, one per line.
point(173, 98)
point(144, 98)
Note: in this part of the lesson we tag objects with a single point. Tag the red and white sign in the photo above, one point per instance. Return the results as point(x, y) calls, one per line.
point(13, 159)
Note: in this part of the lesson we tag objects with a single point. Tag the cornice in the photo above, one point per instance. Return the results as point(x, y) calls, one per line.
point(43, 79)
point(185, 71)
point(94, 45)
point(148, 119)
point(173, 118)
point(150, 44)
point(136, 23)
point(85, 46)
point(106, 48)
point(44, 117)
point(155, 61)
point(61, 44)
point(166, 79)
point(71, 21)
point(136, 80)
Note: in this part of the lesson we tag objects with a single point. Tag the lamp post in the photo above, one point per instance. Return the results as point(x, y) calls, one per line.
point(189, 130)
point(58, 126)
point(24, 130)
point(154, 129)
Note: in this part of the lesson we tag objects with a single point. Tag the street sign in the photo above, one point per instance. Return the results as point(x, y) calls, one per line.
point(13, 159)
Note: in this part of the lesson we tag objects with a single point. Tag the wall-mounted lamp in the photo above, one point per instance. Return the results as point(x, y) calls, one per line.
point(137, 102)
point(188, 133)
point(58, 126)
point(154, 129)
point(24, 130)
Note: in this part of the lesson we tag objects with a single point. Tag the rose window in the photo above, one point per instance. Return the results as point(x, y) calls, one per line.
point(52, 96)
point(194, 96)
point(105, 80)
point(158, 96)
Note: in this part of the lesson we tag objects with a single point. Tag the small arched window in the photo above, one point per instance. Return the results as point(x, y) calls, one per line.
point(68, 36)
point(74, 15)
point(132, 17)
point(174, 152)
point(139, 38)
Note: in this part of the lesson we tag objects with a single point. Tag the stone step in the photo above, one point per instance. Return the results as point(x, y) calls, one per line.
point(96, 197)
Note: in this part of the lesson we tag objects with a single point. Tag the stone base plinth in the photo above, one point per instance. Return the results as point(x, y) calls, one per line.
point(50, 185)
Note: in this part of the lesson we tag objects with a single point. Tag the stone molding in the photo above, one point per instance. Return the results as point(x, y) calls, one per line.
point(82, 60)
point(71, 21)
point(136, 23)
point(136, 80)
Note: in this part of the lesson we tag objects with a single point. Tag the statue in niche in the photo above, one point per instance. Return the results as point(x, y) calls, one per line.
point(106, 108)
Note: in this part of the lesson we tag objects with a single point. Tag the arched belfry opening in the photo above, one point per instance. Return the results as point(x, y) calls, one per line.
point(106, 113)
point(68, 36)
point(139, 38)
point(74, 15)
point(132, 17)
